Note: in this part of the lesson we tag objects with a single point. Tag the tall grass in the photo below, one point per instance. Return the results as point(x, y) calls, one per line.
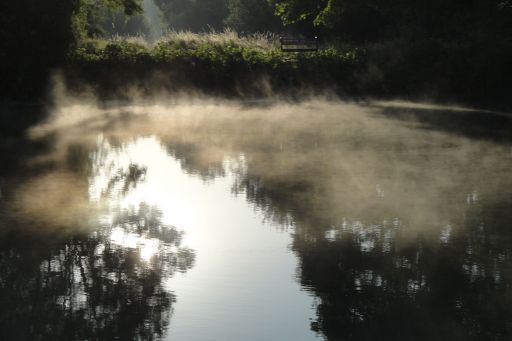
point(225, 61)
point(216, 61)
point(265, 42)
point(228, 37)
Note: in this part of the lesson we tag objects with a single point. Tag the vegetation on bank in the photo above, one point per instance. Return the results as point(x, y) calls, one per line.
point(437, 49)
point(214, 62)
point(228, 64)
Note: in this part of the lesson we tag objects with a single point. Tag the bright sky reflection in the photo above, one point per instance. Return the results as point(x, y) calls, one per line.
point(243, 265)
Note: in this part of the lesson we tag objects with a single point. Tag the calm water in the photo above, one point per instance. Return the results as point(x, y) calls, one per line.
point(209, 220)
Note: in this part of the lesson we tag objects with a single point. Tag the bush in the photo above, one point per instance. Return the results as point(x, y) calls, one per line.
point(214, 62)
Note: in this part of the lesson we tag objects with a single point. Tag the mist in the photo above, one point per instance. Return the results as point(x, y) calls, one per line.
point(338, 160)
point(376, 197)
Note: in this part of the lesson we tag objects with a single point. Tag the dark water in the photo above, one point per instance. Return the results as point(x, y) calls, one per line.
point(204, 220)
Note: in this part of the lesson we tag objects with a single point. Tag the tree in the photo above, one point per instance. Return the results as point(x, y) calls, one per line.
point(36, 35)
point(194, 15)
point(299, 14)
point(252, 16)
point(108, 22)
point(348, 19)
point(91, 14)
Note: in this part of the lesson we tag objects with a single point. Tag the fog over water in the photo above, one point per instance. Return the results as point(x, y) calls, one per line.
point(207, 219)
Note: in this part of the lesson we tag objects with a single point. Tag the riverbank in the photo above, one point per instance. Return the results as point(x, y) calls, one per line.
point(216, 63)
point(225, 64)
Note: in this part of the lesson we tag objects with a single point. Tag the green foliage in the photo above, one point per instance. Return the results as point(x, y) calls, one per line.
point(100, 17)
point(34, 37)
point(411, 46)
point(371, 20)
point(252, 16)
point(108, 23)
point(213, 62)
point(216, 50)
point(130, 7)
point(194, 15)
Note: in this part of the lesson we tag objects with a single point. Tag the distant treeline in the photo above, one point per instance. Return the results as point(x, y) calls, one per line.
point(411, 47)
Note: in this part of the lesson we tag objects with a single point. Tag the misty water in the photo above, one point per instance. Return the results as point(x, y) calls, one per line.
point(199, 219)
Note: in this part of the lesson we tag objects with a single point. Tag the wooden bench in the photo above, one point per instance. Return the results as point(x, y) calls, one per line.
point(298, 44)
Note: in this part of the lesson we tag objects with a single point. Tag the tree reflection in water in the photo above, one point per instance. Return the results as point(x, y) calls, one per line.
point(382, 270)
point(371, 287)
point(385, 273)
point(401, 225)
point(105, 285)
point(390, 276)
point(398, 232)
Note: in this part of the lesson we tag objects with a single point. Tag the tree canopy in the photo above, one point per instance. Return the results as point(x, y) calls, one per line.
point(193, 15)
point(35, 36)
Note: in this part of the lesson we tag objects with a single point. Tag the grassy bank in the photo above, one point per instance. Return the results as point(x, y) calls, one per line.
point(220, 63)
point(251, 66)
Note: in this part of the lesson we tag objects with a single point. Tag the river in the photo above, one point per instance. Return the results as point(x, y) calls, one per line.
point(205, 219)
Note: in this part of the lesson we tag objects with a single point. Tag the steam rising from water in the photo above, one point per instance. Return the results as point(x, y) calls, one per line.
point(377, 196)
point(331, 160)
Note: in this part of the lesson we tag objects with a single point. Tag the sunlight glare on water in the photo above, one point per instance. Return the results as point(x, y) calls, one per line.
point(235, 221)
point(238, 256)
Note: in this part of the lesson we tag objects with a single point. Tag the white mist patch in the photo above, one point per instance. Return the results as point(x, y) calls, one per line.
point(428, 106)
point(355, 155)
point(221, 193)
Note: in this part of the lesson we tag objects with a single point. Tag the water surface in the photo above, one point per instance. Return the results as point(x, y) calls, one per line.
point(214, 220)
